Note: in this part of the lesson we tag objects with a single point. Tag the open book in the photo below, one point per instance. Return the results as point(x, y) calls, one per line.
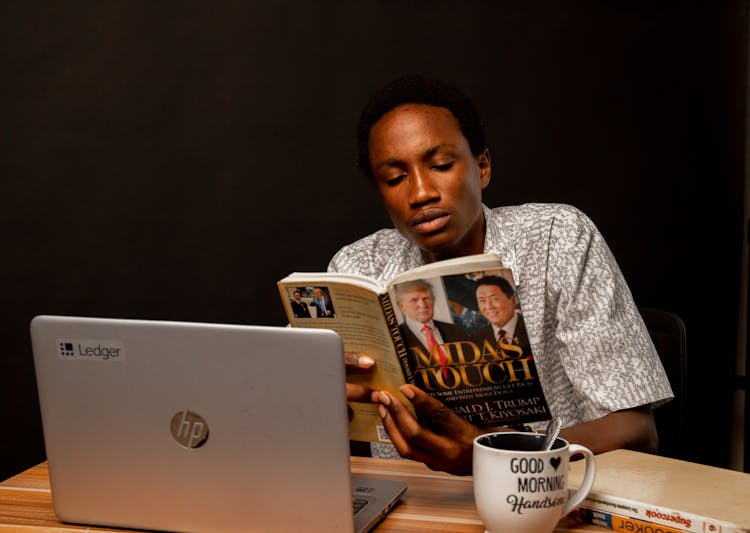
point(484, 373)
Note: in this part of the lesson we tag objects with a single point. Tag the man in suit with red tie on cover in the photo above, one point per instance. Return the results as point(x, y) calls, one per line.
point(416, 301)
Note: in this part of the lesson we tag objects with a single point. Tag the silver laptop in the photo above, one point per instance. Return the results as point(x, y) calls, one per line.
point(199, 427)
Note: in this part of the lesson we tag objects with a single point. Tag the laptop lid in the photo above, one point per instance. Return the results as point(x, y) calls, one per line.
point(193, 427)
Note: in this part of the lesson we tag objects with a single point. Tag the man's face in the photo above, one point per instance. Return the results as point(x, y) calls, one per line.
point(430, 182)
point(418, 305)
point(297, 296)
point(495, 305)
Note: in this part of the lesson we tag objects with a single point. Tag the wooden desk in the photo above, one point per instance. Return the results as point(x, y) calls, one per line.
point(435, 501)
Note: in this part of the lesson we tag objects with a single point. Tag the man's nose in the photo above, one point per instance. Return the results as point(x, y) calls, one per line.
point(422, 189)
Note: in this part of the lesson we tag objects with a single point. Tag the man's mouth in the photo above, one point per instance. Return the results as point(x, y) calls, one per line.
point(490, 313)
point(429, 220)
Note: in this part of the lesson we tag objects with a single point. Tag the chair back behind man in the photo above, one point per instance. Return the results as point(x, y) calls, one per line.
point(667, 331)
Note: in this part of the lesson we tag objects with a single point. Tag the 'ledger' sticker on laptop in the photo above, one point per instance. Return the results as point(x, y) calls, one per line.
point(87, 350)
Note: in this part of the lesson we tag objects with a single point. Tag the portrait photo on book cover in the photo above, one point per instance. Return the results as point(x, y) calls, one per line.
point(466, 342)
point(311, 302)
point(441, 318)
point(474, 307)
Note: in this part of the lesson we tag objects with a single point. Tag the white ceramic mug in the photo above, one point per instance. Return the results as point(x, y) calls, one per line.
point(520, 488)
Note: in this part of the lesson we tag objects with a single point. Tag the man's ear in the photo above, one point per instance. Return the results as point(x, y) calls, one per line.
point(485, 167)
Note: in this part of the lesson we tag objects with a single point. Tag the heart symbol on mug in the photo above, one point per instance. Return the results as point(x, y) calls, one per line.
point(555, 462)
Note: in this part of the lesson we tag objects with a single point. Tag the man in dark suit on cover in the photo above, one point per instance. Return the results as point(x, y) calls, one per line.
point(323, 303)
point(496, 300)
point(299, 306)
point(417, 302)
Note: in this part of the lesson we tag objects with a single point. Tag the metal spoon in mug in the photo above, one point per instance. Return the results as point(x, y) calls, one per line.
point(553, 430)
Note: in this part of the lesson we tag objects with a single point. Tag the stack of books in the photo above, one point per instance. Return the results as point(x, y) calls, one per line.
point(640, 492)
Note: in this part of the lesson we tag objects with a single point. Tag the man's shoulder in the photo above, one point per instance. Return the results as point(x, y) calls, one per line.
point(485, 332)
point(535, 213)
point(524, 225)
point(451, 329)
point(406, 331)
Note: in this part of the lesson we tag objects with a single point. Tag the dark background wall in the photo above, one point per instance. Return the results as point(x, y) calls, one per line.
point(162, 159)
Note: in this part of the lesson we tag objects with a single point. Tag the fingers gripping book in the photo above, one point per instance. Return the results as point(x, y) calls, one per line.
point(453, 328)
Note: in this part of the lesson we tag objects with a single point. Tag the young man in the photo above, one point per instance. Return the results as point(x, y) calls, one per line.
point(422, 143)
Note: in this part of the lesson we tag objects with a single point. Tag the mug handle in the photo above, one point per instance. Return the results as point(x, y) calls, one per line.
point(588, 478)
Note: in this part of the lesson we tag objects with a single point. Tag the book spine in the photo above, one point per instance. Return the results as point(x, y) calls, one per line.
point(396, 337)
point(663, 516)
point(617, 522)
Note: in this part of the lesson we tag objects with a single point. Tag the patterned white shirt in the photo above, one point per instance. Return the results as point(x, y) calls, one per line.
point(592, 351)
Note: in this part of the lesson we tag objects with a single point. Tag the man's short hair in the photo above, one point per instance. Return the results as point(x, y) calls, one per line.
point(501, 282)
point(411, 286)
point(419, 90)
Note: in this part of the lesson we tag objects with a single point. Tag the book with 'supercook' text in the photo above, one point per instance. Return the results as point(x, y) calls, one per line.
point(487, 378)
point(618, 522)
point(669, 494)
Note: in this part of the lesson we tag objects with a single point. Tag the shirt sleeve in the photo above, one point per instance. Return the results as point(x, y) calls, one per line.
point(605, 348)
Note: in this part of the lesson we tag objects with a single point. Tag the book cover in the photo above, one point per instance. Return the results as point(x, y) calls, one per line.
point(485, 374)
point(668, 492)
point(454, 328)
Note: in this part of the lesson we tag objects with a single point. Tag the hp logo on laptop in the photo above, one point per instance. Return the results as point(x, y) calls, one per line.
point(189, 429)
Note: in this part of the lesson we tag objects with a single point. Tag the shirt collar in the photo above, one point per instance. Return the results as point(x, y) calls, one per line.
point(416, 327)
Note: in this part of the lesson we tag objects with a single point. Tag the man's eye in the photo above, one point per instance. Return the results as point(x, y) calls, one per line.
point(395, 180)
point(444, 167)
